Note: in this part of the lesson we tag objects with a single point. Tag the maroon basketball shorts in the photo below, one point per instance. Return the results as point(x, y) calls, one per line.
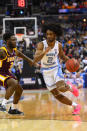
point(4, 76)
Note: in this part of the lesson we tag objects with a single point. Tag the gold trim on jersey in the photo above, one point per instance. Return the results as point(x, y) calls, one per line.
point(1, 63)
point(15, 49)
point(6, 53)
point(3, 78)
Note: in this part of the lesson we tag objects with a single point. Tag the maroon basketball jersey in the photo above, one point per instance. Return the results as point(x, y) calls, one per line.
point(7, 62)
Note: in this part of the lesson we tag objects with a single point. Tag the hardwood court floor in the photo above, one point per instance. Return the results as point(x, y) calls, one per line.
point(44, 113)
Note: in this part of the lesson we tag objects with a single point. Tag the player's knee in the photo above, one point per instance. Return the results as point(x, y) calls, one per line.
point(55, 92)
point(19, 88)
point(60, 84)
point(67, 86)
point(12, 83)
point(63, 90)
point(15, 85)
point(60, 97)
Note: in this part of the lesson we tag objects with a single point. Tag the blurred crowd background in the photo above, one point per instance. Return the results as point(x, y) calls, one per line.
point(71, 14)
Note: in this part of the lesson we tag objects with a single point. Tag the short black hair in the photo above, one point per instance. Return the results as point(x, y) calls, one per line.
point(7, 36)
point(55, 27)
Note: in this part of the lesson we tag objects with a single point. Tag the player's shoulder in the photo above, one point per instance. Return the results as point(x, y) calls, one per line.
point(3, 53)
point(60, 45)
point(3, 49)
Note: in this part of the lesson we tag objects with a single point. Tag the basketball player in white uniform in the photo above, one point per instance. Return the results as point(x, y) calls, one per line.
point(48, 52)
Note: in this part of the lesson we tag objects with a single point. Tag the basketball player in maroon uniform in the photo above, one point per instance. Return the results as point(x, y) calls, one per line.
point(7, 56)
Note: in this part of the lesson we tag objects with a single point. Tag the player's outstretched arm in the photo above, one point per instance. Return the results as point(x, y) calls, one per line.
point(39, 52)
point(2, 54)
point(61, 53)
point(20, 54)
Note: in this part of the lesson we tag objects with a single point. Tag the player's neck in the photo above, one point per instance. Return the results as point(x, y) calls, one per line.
point(51, 44)
point(10, 49)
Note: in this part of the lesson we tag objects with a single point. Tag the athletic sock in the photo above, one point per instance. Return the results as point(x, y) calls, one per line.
point(74, 104)
point(14, 106)
point(4, 102)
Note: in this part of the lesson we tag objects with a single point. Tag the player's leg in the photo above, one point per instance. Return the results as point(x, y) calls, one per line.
point(17, 94)
point(50, 83)
point(52, 87)
point(65, 100)
point(9, 91)
point(12, 87)
point(17, 89)
point(62, 85)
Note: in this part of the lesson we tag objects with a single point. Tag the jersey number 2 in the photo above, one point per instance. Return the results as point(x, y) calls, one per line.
point(50, 59)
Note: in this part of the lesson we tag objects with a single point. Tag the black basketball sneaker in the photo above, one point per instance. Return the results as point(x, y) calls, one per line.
point(15, 112)
point(2, 108)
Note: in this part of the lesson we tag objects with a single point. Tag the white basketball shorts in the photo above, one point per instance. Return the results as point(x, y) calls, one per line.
point(51, 76)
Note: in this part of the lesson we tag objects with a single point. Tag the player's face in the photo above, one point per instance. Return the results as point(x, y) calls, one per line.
point(12, 42)
point(51, 36)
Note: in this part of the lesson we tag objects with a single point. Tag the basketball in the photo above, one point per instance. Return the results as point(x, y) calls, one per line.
point(72, 65)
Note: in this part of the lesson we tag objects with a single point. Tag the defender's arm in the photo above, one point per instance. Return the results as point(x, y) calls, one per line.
point(61, 53)
point(20, 54)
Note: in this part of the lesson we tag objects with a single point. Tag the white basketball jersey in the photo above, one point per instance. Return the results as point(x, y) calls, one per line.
point(51, 58)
